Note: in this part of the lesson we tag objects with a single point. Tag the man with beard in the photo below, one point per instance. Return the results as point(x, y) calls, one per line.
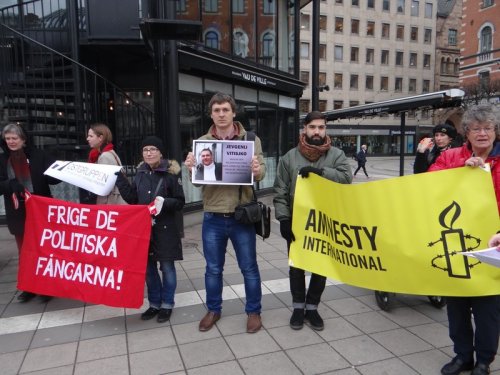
point(313, 154)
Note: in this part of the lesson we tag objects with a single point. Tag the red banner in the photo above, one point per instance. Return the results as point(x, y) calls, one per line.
point(93, 253)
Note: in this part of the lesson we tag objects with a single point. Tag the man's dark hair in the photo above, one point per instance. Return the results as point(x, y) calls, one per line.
point(220, 98)
point(314, 115)
point(206, 149)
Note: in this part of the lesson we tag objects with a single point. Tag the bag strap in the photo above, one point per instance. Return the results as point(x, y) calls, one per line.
point(158, 187)
point(116, 157)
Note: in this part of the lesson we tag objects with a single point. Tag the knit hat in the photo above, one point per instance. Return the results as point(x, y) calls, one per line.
point(447, 129)
point(153, 141)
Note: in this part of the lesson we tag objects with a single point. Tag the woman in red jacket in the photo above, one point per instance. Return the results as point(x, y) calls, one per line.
point(481, 125)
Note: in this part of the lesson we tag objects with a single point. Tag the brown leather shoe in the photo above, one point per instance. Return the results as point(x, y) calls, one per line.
point(254, 323)
point(208, 321)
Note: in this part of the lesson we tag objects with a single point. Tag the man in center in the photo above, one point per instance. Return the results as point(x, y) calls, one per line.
point(313, 154)
point(219, 223)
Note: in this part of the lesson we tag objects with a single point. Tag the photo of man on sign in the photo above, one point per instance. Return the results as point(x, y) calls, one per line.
point(223, 162)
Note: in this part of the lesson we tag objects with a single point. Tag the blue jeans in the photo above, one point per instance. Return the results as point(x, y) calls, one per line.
point(161, 290)
point(215, 233)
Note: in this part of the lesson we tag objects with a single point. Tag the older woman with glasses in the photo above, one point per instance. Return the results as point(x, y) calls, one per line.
point(480, 124)
point(158, 177)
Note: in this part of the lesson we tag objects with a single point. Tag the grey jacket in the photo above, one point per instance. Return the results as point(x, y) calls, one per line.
point(335, 167)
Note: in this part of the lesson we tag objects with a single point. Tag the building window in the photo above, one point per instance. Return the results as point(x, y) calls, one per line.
point(370, 28)
point(304, 105)
point(414, 34)
point(452, 37)
point(427, 61)
point(337, 80)
point(339, 1)
point(386, 30)
point(322, 105)
point(370, 55)
point(456, 66)
point(485, 43)
point(339, 24)
point(239, 6)
point(210, 6)
point(304, 50)
point(355, 3)
point(322, 79)
point(305, 21)
point(180, 6)
point(322, 51)
point(384, 57)
point(212, 39)
point(323, 22)
point(240, 43)
point(426, 85)
point(412, 85)
point(384, 83)
point(353, 103)
point(427, 36)
point(401, 6)
point(369, 82)
point(386, 5)
point(400, 32)
point(355, 27)
point(414, 8)
point(337, 104)
point(304, 77)
point(488, 3)
point(370, 4)
point(354, 54)
point(353, 82)
point(484, 81)
point(413, 59)
point(398, 84)
point(269, 7)
point(268, 49)
point(399, 58)
point(428, 10)
point(339, 53)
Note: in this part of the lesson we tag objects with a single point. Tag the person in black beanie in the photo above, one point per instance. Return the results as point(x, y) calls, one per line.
point(158, 177)
point(444, 137)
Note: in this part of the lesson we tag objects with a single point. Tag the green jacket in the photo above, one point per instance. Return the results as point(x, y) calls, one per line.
point(335, 168)
point(224, 198)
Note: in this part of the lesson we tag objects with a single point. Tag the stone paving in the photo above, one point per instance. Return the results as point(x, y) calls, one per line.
point(69, 337)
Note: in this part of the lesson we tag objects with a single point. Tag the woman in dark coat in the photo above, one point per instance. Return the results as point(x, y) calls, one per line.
point(21, 167)
point(158, 177)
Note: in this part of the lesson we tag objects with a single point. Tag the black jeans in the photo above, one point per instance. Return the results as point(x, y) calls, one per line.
point(298, 287)
point(361, 165)
point(484, 340)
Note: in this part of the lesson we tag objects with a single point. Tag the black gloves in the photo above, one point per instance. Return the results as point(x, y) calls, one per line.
point(286, 230)
point(304, 171)
point(16, 186)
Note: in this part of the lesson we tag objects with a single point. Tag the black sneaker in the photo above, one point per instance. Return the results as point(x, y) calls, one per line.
point(297, 319)
point(164, 315)
point(316, 322)
point(481, 369)
point(456, 366)
point(149, 313)
point(26, 296)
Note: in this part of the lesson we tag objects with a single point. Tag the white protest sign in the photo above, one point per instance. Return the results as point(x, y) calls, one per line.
point(96, 178)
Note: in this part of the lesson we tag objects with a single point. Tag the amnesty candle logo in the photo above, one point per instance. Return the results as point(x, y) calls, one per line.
point(380, 235)
point(454, 242)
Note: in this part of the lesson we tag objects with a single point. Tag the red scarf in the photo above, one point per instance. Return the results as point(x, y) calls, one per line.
point(312, 152)
point(94, 153)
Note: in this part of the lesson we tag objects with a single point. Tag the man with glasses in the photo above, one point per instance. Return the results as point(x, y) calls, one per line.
point(220, 225)
point(313, 154)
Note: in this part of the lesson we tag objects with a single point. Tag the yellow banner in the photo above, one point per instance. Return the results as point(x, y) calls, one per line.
point(402, 235)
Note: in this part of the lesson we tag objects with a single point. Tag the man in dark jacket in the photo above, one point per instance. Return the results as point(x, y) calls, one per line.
point(313, 154)
point(207, 170)
point(361, 158)
point(21, 167)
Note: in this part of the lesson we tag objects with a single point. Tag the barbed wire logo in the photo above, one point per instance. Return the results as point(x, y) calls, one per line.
point(454, 242)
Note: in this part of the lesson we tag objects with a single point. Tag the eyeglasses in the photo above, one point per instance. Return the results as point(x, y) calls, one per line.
point(151, 150)
point(486, 129)
point(314, 127)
